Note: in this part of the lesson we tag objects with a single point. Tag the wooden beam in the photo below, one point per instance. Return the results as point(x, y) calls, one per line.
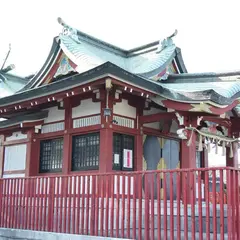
point(156, 117)
point(221, 121)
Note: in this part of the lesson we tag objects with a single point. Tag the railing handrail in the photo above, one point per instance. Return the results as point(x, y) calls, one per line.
point(127, 173)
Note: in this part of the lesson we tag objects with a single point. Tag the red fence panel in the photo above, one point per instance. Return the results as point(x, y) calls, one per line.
point(169, 204)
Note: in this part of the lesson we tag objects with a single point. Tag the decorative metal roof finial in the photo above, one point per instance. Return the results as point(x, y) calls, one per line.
point(166, 42)
point(67, 30)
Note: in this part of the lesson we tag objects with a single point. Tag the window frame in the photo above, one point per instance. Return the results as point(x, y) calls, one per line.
point(52, 170)
point(73, 148)
point(120, 152)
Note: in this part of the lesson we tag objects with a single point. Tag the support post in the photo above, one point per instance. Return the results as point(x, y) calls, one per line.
point(188, 161)
point(32, 157)
point(2, 138)
point(66, 165)
point(106, 134)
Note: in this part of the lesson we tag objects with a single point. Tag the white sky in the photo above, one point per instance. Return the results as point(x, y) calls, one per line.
point(208, 31)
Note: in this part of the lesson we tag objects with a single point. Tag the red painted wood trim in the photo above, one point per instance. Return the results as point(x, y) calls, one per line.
point(2, 153)
point(31, 124)
point(124, 130)
point(16, 142)
point(67, 154)
point(30, 156)
point(123, 116)
point(59, 121)
point(49, 135)
point(156, 117)
point(58, 96)
point(14, 172)
point(90, 115)
point(151, 131)
point(188, 106)
point(83, 130)
point(135, 89)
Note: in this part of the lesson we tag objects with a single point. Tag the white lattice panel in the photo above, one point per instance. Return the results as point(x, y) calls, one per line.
point(86, 121)
point(53, 127)
point(124, 122)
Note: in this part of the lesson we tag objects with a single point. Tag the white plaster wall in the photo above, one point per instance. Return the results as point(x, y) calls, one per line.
point(122, 108)
point(55, 114)
point(16, 136)
point(155, 125)
point(15, 157)
point(87, 107)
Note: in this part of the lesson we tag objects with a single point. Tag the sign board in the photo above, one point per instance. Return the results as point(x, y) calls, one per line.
point(127, 158)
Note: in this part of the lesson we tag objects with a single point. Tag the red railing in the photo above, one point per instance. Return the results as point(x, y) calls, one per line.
point(171, 204)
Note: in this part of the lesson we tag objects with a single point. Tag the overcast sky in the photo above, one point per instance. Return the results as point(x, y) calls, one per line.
point(208, 31)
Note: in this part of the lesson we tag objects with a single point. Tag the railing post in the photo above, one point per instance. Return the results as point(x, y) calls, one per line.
point(51, 204)
point(1, 197)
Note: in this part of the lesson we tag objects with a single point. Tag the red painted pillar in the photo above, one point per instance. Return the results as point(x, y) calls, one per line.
point(106, 150)
point(32, 157)
point(106, 135)
point(188, 161)
point(138, 159)
point(67, 138)
point(2, 138)
point(138, 148)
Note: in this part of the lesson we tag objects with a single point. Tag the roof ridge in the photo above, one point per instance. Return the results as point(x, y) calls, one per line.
point(67, 29)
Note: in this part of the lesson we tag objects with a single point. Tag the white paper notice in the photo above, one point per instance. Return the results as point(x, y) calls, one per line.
point(127, 158)
point(116, 159)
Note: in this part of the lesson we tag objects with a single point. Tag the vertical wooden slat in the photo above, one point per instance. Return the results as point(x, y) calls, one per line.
point(214, 204)
point(45, 196)
point(134, 212)
point(178, 205)
point(107, 184)
point(65, 198)
point(185, 185)
point(74, 179)
point(165, 205)
point(237, 203)
point(200, 218)
point(79, 205)
point(229, 203)
point(69, 204)
point(16, 204)
point(171, 207)
point(117, 207)
point(159, 207)
point(192, 180)
point(123, 208)
point(102, 206)
point(140, 199)
point(221, 206)
point(98, 195)
point(2, 195)
point(207, 205)
point(128, 205)
point(92, 216)
point(33, 219)
point(27, 186)
point(87, 205)
point(146, 206)
point(152, 186)
point(20, 223)
point(112, 219)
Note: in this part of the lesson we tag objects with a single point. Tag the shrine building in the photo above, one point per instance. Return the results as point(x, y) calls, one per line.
point(95, 107)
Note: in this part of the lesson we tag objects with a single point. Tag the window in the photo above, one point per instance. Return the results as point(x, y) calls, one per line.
point(123, 152)
point(85, 152)
point(51, 155)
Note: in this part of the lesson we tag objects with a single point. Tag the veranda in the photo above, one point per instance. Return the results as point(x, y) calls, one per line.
point(136, 205)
